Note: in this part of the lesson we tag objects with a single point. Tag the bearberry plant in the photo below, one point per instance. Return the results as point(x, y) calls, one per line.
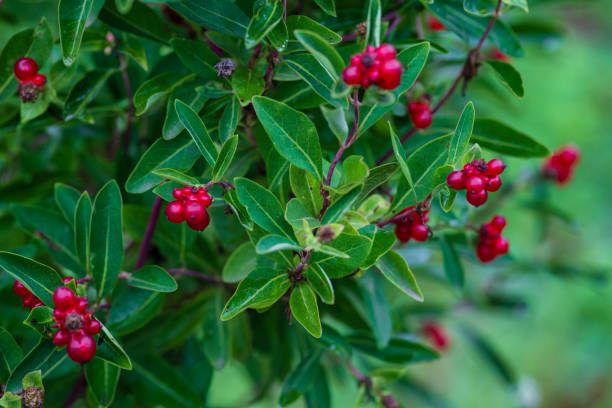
point(307, 158)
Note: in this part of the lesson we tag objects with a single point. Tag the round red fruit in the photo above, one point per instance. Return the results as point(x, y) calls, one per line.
point(356, 60)
point(402, 233)
point(434, 24)
point(391, 74)
point(82, 304)
point(81, 347)
point(92, 327)
point(474, 184)
point(476, 198)
point(374, 75)
point(39, 80)
point(352, 75)
point(64, 298)
point(455, 180)
point(495, 167)
point(493, 184)
point(485, 253)
point(202, 224)
point(386, 52)
point(419, 232)
point(177, 193)
point(175, 212)
point(501, 246)
point(61, 338)
point(569, 155)
point(204, 198)
point(498, 223)
point(194, 211)
point(20, 289)
point(422, 119)
point(25, 69)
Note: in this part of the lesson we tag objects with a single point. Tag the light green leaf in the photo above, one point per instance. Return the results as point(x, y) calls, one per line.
point(356, 247)
point(274, 243)
point(152, 277)
point(461, 138)
point(132, 309)
point(320, 283)
point(373, 22)
point(226, 155)
point(175, 175)
point(400, 155)
point(38, 278)
point(229, 120)
point(397, 271)
point(378, 309)
point(452, 264)
point(240, 263)
point(38, 318)
point(72, 17)
point(327, 56)
point(134, 49)
point(341, 205)
point(304, 308)
point(265, 18)
point(509, 76)
point(307, 190)
point(247, 83)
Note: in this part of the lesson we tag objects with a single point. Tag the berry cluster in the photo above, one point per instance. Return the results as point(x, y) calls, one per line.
point(420, 113)
point(437, 335)
point(560, 166)
point(190, 206)
point(411, 223)
point(479, 178)
point(76, 325)
point(491, 244)
point(375, 66)
point(29, 300)
point(434, 24)
point(31, 83)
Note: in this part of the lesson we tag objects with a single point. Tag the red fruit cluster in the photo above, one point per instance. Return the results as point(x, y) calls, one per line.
point(421, 114)
point(375, 66)
point(560, 166)
point(437, 335)
point(479, 178)
point(29, 300)
point(412, 225)
point(30, 81)
point(190, 206)
point(491, 244)
point(434, 24)
point(76, 326)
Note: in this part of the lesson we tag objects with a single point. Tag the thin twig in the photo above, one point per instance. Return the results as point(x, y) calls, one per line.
point(146, 241)
point(386, 399)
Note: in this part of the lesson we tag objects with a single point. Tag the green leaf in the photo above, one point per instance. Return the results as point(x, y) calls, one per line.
point(355, 246)
point(177, 176)
point(32, 379)
point(302, 22)
point(320, 283)
point(215, 333)
point(32, 110)
point(263, 207)
point(226, 155)
point(107, 238)
point(38, 318)
point(274, 243)
point(141, 20)
point(373, 22)
point(10, 352)
point(377, 308)
point(229, 120)
point(197, 56)
point(265, 18)
point(461, 138)
point(231, 198)
point(240, 263)
point(260, 289)
point(72, 16)
point(399, 351)
point(400, 155)
point(518, 3)
point(102, 379)
point(307, 190)
point(509, 76)
point(300, 379)
point(135, 50)
point(218, 15)
point(304, 308)
point(382, 242)
point(111, 351)
point(132, 309)
point(376, 177)
point(296, 213)
point(396, 270)
point(327, 56)
point(497, 362)
point(179, 153)
point(336, 120)
point(10, 400)
point(328, 6)
point(294, 135)
point(452, 264)
point(38, 278)
point(44, 356)
point(341, 205)
point(66, 198)
point(152, 277)
point(84, 91)
point(498, 137)
point(82, 228)
point(172, 125)
point(246, 84)
point(155, 88)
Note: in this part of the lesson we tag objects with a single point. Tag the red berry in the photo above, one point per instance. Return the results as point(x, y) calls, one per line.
point(434, 24)
point(20, 289)
point(437, 335)
point(501, 246)
point(419, 232)
point(495, 167)
point(64, 298)
point(39, 80)
point(455, 180)
point(201, 225)
point(25, 69)
point(352, 75)
point(370, 49)
point(485, 253)
point(474, 184)
point(356, 60)
point(402, 232)
point(386, 52)
point(476, 198)
point(391, 74)
point(58, 315)
point(374, 75)
point(204, 198)
point(366, 82)
point(187, 192)
point(175, 212)
point(569, 155)
point(194, 211)
point(498, 223)
point(61, 338)
point(82, 304)
point(28, 301)
point(422, 120)
point(92, 327)
point(177, 193)
point(493, 184)
point(81, 347)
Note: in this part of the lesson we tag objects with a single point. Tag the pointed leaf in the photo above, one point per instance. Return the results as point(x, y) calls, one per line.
point(66, 198)
point(303, 304)
point(197, 56)
point(274, 243)
point(111, 351)
point(44, 356)
point(461, 138)
point(300, 379)
point(198, 131)
point(322, 51)
point(218, 15)
point(307, 190)
point(82, 228)
point(38, 278)
point(73, 16)
point(102, 379)
point(396, 270)
point(341, 206)
point(265, 18)
point(152, 277)
point(84, 91)
point(377, 308)
point(327, 6)
point(229, 120)
point(10, 352)
point(226, 155)
point(509, 76)
point(498, 137)
point(373, 22)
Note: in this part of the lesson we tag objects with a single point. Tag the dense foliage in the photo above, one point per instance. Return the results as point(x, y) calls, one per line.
point(251, 183)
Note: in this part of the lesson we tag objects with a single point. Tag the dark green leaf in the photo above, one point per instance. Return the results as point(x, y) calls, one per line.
point(266, 17)
point(509, 76)
point(327, 56)
point(231, 198)
point(84, 91)
point(155, 88)
point(300, 379)
point(376, 177)
point(452, 263)
point(38, 278)
point(498, 137)
point(341, 206)
point(102, 379)
point(153, 278)
point(229, 120)
point(32, 110)
point(82, 228)
point(141, 20)
point(373, 22)
point(110, 350)
point(327, 6)
point(226, 155)
point(218, 15)
point(66, 198)
point(491, 355)
point(132, 309)
point(320, 283)
point(44, 356)
point(304, 308)
point(10, 352)
point(240, 263)
point(172, 125)
point(382, 241)
point(461, 138)
point(401, 350)
point(396, 270)
point(135, 50)
point(177, 176)
point(215, 333)
point(377, 308)
point(355, 246)
point(73, 15)
point(307, 190)
point(197, 56)
point(246, 84)
point(302, 22)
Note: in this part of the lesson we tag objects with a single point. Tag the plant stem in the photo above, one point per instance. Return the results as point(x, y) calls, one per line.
point(146, 241)
point(387, 400)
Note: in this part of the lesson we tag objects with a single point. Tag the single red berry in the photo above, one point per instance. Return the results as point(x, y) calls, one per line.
point(374, 75)
point(495, 167)
point(493, 184)
point(177, 193)
point(475, 184)
point(28, 301)
point(39, 80)
point(422, 120)
point(356, 60)
point(437, 335)
point(20, 289)
point(92, 327)
point(81, 347)
point(58, 315)
point(419, 232)
point(204, 198)
point(391, 74)
point(476, 198)
point(194, 211)
point(187, 192)
point(370, 49)
point(569, 155)
point(81, 305)
point(434, 24)
point(61, 338)
point(64, 298)
point(175, 212)
point(25, 69)
point(200, 225)
point(402, 232)
point(485, 253)
point(386, 52)
point(455, 180)
point(501, 246)
point(498, 223)
point(352, 75)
